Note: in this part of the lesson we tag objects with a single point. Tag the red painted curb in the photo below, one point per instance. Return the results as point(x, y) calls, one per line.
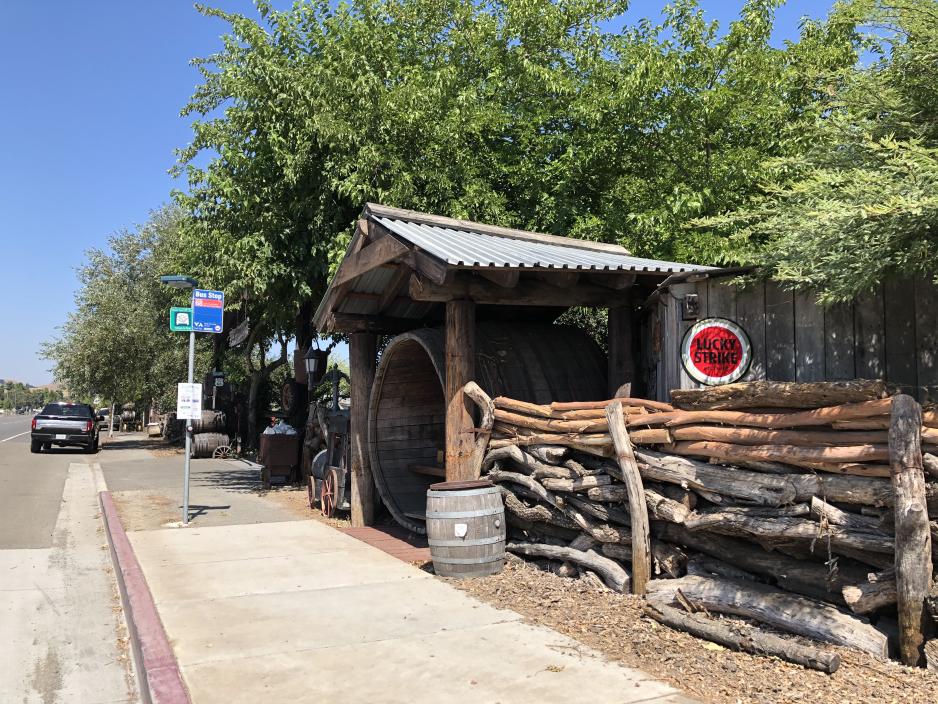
point(161, 682)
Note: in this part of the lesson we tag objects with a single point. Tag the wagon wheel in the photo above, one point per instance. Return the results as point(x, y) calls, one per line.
point(222, 452)
point(311, 491)
point(329, 493)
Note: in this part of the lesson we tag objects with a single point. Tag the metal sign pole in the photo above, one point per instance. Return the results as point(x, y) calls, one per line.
point(185, 486)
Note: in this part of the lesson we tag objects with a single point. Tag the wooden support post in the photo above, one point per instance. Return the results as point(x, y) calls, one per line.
point(362, 356)
point(619, 341)
point(913, 539)
point(638, 512)
point(460, 369)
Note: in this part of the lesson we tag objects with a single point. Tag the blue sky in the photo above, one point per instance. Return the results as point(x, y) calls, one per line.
point(89, 116)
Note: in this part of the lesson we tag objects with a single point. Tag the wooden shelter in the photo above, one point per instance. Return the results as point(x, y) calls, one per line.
point(468, 301)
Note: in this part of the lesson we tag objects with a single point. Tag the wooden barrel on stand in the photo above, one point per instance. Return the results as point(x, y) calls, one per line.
point(466, 528)
point(532, 362)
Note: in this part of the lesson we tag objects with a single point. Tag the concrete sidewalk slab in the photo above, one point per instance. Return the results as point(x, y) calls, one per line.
point(60, 616)
point(255, 626)
point(310, 569)
point(338, 620)
point(189, 545)
point(508, 663)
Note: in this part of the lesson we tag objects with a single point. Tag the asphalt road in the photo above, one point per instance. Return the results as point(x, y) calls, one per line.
point(30, 486)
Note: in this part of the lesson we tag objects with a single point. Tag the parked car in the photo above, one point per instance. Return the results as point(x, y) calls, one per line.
point(104, 418)
point(65, 425)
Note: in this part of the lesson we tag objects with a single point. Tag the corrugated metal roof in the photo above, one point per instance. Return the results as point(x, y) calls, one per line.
point(475, 249)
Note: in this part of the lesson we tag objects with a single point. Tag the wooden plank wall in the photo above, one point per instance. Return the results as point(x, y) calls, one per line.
point(891, 334)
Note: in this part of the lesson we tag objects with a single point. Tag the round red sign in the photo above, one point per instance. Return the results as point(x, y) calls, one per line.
point(716, 351)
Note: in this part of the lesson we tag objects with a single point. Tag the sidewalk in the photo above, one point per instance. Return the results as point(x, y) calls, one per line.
point(64, 638)
point(298, 611)
point(263, 606)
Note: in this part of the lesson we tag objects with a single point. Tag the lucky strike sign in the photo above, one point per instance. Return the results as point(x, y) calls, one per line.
point(716, 351)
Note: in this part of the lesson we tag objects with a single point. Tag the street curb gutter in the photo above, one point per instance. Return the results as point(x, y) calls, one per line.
point(159, 679)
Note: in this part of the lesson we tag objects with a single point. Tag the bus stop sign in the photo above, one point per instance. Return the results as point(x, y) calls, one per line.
point(208, 309)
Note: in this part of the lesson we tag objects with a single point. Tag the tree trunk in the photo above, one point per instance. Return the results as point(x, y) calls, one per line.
point(641, 548)
point(931, 654)
point(820, 509)
point(930, 465)
point(579, 484)
point(913, 538)
point(868, 491)
point(744, 638)
point(253, 390)
point(810, 579)
point(869, 596)
point(701, 565)
point(786, 612)
point(783, 453)
point(764, 489)
point(763, 436)
point(669, 560)
point(778, 394)
point(612, 573)
point(782, 529)
point(548, 453)
point(815, 417)
point(549, 425)
point(593, 444)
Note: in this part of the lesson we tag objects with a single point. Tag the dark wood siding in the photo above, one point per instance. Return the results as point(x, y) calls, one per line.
point(890, 333)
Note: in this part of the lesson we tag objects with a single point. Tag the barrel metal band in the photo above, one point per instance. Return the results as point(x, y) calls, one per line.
point(432, 494)
point(497, 510)
point(460, 543)
point(468, 560)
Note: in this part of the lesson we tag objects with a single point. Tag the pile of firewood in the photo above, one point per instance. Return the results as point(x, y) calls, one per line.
point(769, 501)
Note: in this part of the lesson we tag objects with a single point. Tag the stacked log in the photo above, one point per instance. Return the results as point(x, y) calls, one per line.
point(801, 507)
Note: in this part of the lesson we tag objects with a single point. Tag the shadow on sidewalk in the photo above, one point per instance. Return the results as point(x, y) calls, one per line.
point(195, 510)
point(230, 478)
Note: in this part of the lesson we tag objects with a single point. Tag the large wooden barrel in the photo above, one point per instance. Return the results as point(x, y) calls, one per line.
point(210, 422)
point(407, 415)
point(204, 444)
point(466, 528)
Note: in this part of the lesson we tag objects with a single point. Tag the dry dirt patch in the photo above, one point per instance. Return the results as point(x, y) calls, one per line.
point(613, 624)
point(145, 510)
point(296, 500)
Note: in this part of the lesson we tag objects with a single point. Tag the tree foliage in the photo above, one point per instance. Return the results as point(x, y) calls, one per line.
point(679, 139)
point(116, 343)
point(524, 113)
point(860, 201)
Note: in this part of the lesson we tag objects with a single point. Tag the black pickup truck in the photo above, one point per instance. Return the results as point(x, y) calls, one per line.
point(65, 424)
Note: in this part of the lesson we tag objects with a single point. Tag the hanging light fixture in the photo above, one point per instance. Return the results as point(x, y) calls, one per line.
point(315, 361)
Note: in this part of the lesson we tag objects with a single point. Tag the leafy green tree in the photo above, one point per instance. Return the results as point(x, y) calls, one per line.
point(859, 201)
point(116, 343)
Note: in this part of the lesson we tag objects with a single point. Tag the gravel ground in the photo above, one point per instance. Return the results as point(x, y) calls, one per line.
point(613, 624)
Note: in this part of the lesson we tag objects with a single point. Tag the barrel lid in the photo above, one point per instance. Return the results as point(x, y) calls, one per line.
point(458, 486)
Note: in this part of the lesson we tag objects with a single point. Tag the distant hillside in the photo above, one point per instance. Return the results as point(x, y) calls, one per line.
point(48, 387)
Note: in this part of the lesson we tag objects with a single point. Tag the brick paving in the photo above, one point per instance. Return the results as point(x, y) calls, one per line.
point(395, 541)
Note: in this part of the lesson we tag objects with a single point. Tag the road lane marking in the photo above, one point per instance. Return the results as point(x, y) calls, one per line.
point(16, 436)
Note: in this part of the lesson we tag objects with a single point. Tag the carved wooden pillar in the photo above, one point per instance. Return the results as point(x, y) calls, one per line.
point(362, 355)
point(460, 368)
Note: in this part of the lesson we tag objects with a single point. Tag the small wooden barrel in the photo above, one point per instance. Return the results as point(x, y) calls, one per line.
point(466, 528)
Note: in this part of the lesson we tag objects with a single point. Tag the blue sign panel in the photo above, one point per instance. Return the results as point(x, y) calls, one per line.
point(208, 309)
